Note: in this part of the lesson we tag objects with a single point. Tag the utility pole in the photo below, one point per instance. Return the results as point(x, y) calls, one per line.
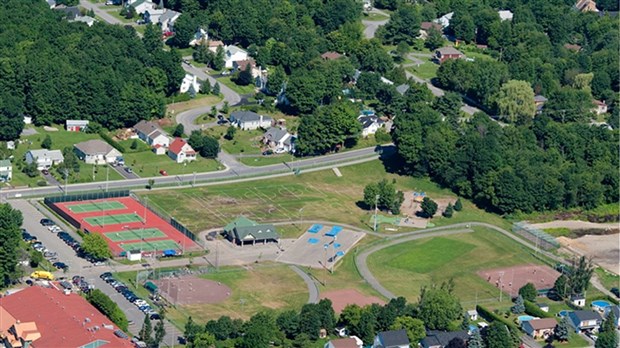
point(66, 178)
point(325, 264)
point(376, 210)
point(501, 275)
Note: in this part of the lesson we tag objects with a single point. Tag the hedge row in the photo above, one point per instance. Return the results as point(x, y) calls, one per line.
point(532, 309)
point(109, 308)
point(112, 142)
point(490, 316)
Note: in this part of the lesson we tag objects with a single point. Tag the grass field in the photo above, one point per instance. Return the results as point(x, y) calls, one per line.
point(225, 80)
point(136, 234)
point(199, 101)
point(321, 194)
point(609, 280)
point(405, 267)
point(147, 163)
point(99, 206)
point(245, 141)
point(427, 71)
point(266, 160)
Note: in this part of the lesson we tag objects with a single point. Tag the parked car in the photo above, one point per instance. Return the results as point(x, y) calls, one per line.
point(60, 265)
point(616, 292)
point(163, 172)
point(155, 316)
point(267, 152)
point(128, 170)
point(46, 222)
point(45, 172)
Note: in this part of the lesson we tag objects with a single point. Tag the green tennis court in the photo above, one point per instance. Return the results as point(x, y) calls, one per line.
point(385, 220)
point(96, 206)
point(113, 219)
point(156, 245)
point(135, 234)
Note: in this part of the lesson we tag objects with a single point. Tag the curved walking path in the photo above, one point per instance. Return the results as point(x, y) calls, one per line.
point(313, 289)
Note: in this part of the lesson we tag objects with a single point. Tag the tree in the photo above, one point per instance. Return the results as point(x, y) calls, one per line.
point(449, 105)
point(449, 211)
point(210, 147)
point(528, 292)
point(403, 26)
point(608, 337)
point(10, 222)
point(160, 333)
point(184, 30)
point(219, 59)
point(47, 142)
point(276, 80)
point(562, 330)
point(244, 77)
point(152, 38)
point(519, 306)
point(389, 197)
point(216, 89)
point(333, 126)
point(35, 259)
point(225, 107)
point(429, 207)
point(94, 244)
point(475, 340)
point(146, 331)
point(230, 133)
point(560, 287)
point(178, 130)
point(205, 87)
point(134, 144)
point(191, 330)
point(204, 340)
point(438, 307)
point(414, 327)
point(31, 170)
point(581, 271)
point(288, 322)
point(498, 336)
point(458, 206)
point(462, 24)
point(434, 39)
point(108, 307)
point(515, 102)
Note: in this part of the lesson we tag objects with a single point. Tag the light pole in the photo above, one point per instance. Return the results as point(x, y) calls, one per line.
point(66, 178)
point(501, 275)
point(325, 246)
point(300, 211)
point(107, 176)
point(376, 210)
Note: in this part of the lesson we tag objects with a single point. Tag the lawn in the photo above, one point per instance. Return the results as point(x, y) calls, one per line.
point(427, 71)
point(321, 194)
point(406, 267)
point(244, 142)
point(147, 163)
point(116, 13)
point(558, 232)
point(199, 101)
point(266, 160)
point(225, 80)
point(608, 279)
point(374, 16)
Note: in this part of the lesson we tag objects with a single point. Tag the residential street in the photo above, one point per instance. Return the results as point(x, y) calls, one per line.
point(100, 12)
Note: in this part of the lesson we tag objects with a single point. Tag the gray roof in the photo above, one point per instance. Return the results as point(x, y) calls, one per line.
point(247, 116)
point(168, 15)
point(55, 155)
point(70, 12)
point(540, 98)
point(5, 163)
point(368, 121)
point(442, 338)
point(402, 89)
point(275, 134)
point(255, 232)
point(585, 315)
point(146, 127)
point(394, 338)
point(76, 123)
point(94, 147)
point(448, 50)
point(232, 49)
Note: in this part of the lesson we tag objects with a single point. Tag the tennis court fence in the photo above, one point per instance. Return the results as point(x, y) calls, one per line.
point(51, 200)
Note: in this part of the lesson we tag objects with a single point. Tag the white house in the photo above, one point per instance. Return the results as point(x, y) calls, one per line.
point(505, 15)
point(44, 158)
point(370, 124)
point(190, 84)
point(278, 139)
point(10, 145)
point(233, 54)
point(85, 19)
point(539, 328)
point(578, 300)
point(27, 120)
point(180, 151)
point(96, 152)
point(76, 125)
point(6, 171)
point(585, 321)
point(151, 134)
point(444, 20)
point(472, 314)
point(392, 339)
point(600, 107)
point(248, 120)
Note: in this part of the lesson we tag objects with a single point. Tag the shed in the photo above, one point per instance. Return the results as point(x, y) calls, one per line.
point(150, 286)
point(134, 255)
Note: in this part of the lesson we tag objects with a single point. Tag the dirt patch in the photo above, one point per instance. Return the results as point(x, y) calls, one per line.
point(190, 290)
point(511, 279)
point(342, 298)
point(412, 206)
point(603, 249)
point(580, 225)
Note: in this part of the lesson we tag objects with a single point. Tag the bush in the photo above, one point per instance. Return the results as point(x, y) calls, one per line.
point(108, 307)
point(490, 316)
point(532, 309)
point(382, 136)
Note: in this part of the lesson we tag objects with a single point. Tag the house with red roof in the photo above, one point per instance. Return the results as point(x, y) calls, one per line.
point(180, 151)
point(47, 317)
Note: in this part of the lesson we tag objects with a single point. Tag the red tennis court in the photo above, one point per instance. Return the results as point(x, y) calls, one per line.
point(133, 217)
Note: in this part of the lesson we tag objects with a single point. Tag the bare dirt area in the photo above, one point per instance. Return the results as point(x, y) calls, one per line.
point(603, 249)
point(511, 279)
point(342, 298)
point(190, 290)
point(577, 225)
point(411, 207)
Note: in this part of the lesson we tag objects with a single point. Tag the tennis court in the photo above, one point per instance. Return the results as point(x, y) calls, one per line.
point(135, 234)
point(96, 206)
point(154, 245)
point(113, 219)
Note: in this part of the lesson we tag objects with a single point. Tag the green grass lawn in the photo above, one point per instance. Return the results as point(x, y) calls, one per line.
point(147, 163)
point(427, 71)
point(244, 142)
point(558, 232)
point(199, 101)
point(267, 160)
point(374, 16)
point(225, 80)
point(608, 279)
point(89, 173)
point(116, 13)
point(405, 267)
point(321, 194)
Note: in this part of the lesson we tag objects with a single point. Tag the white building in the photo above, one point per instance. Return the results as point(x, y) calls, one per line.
point(180, 151)
point(505, 15)
point(248, 120)
point(233, 54)
point(151, 134)
point(96, 152)
point(278, 139)
point(444, 20)
point(44, 158)
point(6, 171)
point(190, 84)
point(370, 124)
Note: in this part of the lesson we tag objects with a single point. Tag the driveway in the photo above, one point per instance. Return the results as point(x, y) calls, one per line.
point(121, 170)
point(51, 180)
point(370, 27)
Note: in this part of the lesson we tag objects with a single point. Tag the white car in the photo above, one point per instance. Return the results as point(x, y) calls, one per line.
point(139, 302)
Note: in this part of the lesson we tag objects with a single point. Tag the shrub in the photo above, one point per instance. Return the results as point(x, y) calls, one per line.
point(108, 139)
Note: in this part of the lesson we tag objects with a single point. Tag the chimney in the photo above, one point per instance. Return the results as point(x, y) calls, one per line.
point(261, 120)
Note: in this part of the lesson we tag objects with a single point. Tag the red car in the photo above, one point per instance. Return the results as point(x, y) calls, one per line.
point(163, 172)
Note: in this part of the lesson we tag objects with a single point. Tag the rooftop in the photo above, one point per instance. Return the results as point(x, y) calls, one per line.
point(177, 145)
point(94, 147)
point(540, 324)
point(330, 55)
point(448, 50)
point(146, 127)
point(393, 338)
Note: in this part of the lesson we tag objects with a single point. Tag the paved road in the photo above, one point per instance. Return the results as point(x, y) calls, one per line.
point(313, 289)
point(100, 12)
point(370, 27)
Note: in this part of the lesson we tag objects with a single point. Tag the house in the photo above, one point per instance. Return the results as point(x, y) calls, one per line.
point(543, 307)
point(505, 15)
point(578, 300)
point(572, 47)
point(167, 20)
point(233, 54)
point(539, 328)
point(472, 314)
point(440, 339)
point(370, 124)
point(243, 231)
point(96, 152)
point(151, 134)
point(51, 3)
point(539, 101)
point(10, 145)
point(278, 139)
point(392, 339)
point(76, 125)
point(6, 171)
point(331, 55)
point(248, 120)
point(425, 27)
point(53, 318)
point(69, 12)
point(241, 65)
point(586, 6)
point(214, 44)
point(44, 158)
point(349, 342)
point(584, 320)
point(190, 85)
point(445, 53)
point(444, 20)
point(27, 120)
point(180, 151)
point(85, 19)
point(600, 107)
point(200, 37)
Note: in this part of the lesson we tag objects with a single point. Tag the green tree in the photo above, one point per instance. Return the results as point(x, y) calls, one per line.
point(10, 222)
point(152, 38)
point(434, 39)
point(259, 331)
point(475, 340)
point(333, 126)
point(47, 142)
point(438, 307)
point(458, 206)
point(146, 331)
point(498, 336)
point(462, 24)
point(108, 307)
point(414, 327)
point(608, 336)
point(244, 77)
point(95, 244)
point(184, 30)
point(219, 59)
point(560, 286)
point(276, 80)
point(449, 211)
point(529, 292)
point(160, 333)
point(230, 133)
point(204, 340)
point(191, 329)
point(288, 322)
point(581, 271)
point(134, 144)
point(210, 147)
point(205, 87)
point(515, 102)
point(403, 26)
point(429, 207)
point(35, 259)
point(519, 306)
point(178, 130)
point(562, 330)
point(225, 107)
point(216, 89)
point(449, 105)
point(465, 322)
point(31, 170)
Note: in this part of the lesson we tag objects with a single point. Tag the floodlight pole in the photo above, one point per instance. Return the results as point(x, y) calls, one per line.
point(376, 210)
point(501, 275)
point(325, 264)
point(300, 211)
point(66, 177)
point(107, 176)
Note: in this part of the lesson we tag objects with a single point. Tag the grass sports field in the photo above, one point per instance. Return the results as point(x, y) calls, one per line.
point(152, 245)
point(405, 267)
point(318, 195)
point(99, 206)
point(113, 219)
point(135, 234)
